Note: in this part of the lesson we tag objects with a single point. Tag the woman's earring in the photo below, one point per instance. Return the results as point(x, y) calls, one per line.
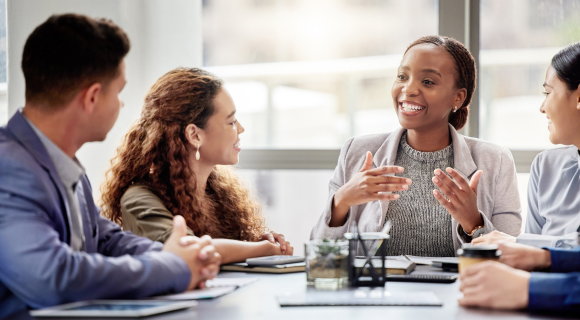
point(455, 109)
point(197, 153)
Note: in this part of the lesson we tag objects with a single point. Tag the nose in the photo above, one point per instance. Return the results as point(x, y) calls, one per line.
point(410, 88)
point(542, 110)
point(122, 103)
point(241, 128)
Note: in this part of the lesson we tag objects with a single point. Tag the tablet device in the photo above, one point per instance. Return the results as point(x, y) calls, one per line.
point(113, 308)
point(273, 260)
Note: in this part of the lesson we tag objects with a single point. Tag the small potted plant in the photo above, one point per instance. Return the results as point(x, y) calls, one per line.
point(326, 263)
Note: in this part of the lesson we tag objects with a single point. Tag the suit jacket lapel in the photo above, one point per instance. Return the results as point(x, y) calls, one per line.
point(462, 159)
point(25, 135)
point(385, 156)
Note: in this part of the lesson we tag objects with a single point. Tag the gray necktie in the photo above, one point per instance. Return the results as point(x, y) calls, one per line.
point(77, 237)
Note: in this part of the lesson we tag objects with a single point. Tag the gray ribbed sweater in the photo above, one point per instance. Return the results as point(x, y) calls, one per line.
point(421, 226)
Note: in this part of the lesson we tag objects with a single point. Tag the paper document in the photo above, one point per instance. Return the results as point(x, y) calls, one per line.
point(198, 294)
point(229, 282)
point(214, 288)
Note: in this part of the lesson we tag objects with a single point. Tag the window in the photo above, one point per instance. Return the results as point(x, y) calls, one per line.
point(310, 74)
point(518, 40)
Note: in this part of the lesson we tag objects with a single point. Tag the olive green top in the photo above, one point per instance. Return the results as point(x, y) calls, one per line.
point(145, 215)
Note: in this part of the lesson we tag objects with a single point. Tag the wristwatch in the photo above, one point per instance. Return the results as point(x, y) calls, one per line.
point(476, 232)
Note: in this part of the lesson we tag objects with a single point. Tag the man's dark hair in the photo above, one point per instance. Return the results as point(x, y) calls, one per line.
point(69, 52)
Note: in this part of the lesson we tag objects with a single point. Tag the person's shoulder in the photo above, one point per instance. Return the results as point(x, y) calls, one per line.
point(14, 158)
point(558, 152)
point(556, 157)
point(139, 197)
point(138, 192)
point(369, 142)
point(477, 145)
point(486, 153)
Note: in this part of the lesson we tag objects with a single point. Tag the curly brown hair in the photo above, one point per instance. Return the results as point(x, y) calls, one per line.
point(154, 153)
point(466, 73)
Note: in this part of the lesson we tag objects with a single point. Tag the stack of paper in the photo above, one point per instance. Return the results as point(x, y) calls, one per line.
point(214, 288)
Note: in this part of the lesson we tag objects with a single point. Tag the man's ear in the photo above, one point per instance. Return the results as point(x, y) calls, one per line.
point(193, 134)
point(90, 97)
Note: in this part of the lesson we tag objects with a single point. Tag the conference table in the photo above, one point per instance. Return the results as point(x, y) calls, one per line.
point(258, 300)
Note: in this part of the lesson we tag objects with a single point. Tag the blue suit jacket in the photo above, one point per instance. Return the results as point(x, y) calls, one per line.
point(37, 266)
point(559, 290)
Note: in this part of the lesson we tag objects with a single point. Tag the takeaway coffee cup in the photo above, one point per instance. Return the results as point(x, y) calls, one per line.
point(473, 255)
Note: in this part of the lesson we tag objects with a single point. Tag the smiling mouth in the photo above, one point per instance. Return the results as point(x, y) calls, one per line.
point(237, 145)
point(410, 108)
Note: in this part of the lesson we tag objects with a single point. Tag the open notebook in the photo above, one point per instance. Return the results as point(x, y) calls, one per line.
point(280, 268)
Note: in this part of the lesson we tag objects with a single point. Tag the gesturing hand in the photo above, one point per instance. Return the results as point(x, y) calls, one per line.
point(274, 237)
point(491, 284)
point(462, 203)
point(199, 254)
point(365, 186)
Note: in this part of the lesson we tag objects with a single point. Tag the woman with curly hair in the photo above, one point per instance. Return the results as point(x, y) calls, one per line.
point(174, 161)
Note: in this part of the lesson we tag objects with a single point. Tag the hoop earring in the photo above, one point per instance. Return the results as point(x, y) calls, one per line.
point(197, 153)
point(455, 109)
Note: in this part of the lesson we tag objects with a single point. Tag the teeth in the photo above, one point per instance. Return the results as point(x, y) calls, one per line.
point(237, 145)
point(411, 107)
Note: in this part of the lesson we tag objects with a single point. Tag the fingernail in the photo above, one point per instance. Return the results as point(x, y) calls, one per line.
point(202, 255)
point(449, 170)
point(400, 169)
point(435, 180)
point(435, 193)
point(409, 181)
point(405, 187)
point(396, 196)
point(438, 172)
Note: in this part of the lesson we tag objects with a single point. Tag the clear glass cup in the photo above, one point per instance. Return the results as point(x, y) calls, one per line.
point(326, 263)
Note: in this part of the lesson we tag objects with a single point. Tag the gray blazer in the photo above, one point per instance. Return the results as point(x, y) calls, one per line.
point(498, 198)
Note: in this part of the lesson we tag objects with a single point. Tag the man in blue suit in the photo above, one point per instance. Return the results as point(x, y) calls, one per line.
point(54, 245)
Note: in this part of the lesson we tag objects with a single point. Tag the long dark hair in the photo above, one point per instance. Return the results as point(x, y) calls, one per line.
point(466, 71)
point(567, 65)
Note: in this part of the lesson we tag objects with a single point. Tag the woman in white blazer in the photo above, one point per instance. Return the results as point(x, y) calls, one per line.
point(399, 176)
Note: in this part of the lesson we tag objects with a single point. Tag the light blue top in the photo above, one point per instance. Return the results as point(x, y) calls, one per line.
point(554, 199)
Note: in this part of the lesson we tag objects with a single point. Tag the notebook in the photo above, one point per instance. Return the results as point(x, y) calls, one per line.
point(393, 266)
point(359, 297)
point(214, 288)
point(279, 268)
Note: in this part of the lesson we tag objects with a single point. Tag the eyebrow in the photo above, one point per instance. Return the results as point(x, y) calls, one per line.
point(232, 114)
point(546, 85)
point(424, 70)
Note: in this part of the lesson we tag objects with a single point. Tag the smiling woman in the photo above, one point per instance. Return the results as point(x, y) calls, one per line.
point(174, 161)
point(394, 181)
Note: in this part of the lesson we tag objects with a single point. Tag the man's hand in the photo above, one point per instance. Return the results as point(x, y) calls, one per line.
point(199, 254)
point(494, 285)
point(524, 257)
point(493, 237)
point(273, 237)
